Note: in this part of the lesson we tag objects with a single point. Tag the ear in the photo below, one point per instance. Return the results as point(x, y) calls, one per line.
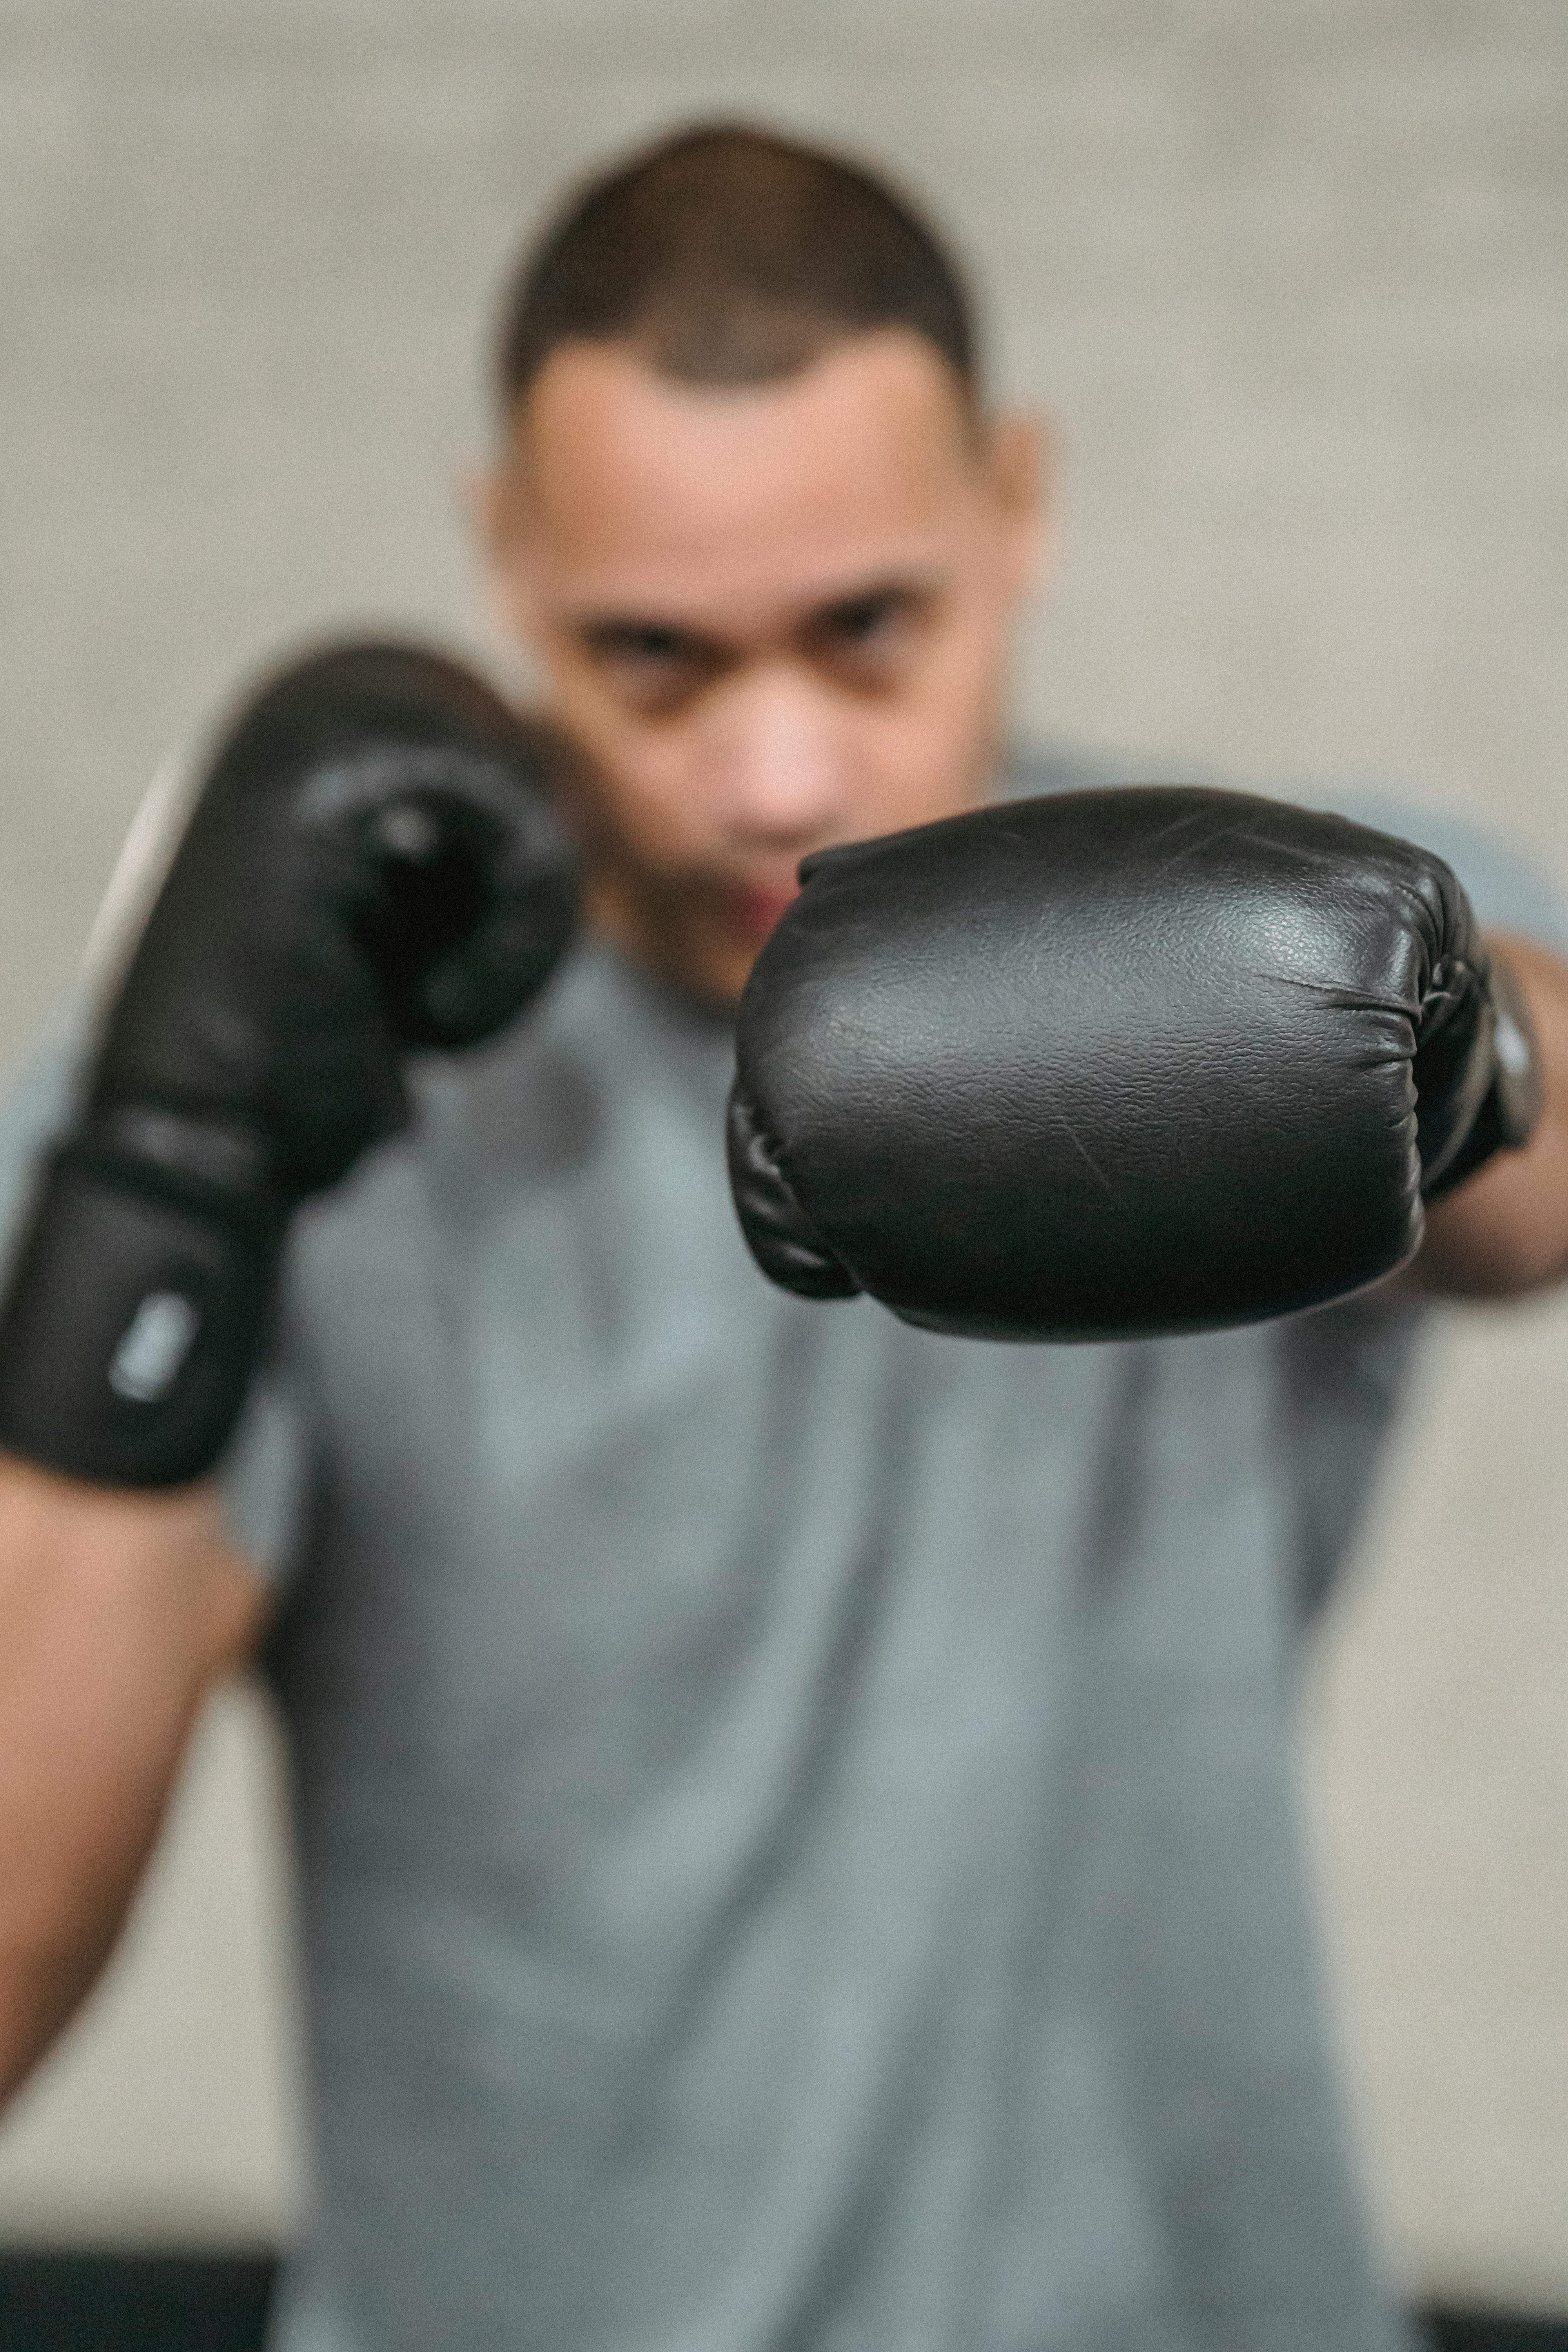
point(1017, 462)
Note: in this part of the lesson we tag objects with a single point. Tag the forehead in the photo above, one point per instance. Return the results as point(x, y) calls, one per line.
point(641, 492)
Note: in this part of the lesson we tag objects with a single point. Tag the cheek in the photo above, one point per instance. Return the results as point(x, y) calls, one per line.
point(632, 793)
point(644, 794)
point(969, 658)
point(937, 739)
point(921, 766)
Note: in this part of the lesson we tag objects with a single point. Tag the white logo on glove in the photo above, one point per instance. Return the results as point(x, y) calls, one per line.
point(147, 1361)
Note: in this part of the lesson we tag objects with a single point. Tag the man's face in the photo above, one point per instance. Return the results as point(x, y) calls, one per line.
point(775, 617)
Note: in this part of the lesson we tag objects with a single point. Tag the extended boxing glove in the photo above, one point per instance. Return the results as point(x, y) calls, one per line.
point(1117, 1062)
point(373, 863)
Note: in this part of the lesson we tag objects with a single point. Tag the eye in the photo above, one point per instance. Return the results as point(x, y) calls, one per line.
point(633, 642)
point(869, 639)
point(863, 619)
point(649, 663)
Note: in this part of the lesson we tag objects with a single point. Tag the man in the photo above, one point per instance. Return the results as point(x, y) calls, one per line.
point(795, 1825)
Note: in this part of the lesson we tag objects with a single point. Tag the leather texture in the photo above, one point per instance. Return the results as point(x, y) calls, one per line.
point(1132, 1061)
point(374, 864)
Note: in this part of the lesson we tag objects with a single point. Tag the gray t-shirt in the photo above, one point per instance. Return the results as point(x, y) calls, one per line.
point(795, 1814)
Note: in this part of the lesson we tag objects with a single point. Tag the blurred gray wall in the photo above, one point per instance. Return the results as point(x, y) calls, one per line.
point(1290, 275)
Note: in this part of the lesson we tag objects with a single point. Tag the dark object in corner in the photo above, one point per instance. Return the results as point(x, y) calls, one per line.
point(1487, 2331)
point(59, 2302)
point(67, 2302)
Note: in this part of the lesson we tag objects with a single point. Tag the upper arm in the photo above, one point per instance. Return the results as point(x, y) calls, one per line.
point(119, 1610)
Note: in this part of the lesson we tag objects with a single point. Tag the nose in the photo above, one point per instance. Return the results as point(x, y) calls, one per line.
point(776, 759)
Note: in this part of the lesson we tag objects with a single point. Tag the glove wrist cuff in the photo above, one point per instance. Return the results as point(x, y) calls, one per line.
point(1506, 1118)
point(133, 1323)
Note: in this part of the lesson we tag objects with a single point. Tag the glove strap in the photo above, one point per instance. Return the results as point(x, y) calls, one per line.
point(1511, 1104)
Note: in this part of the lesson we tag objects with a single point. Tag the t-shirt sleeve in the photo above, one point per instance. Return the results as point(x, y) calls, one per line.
point(266, 1475)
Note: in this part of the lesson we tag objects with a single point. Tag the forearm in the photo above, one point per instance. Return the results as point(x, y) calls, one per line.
point(118, 1609)
point(1505, 1232)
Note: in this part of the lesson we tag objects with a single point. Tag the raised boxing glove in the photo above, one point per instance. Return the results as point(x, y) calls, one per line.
point(1120, 1062)
point(373, 863)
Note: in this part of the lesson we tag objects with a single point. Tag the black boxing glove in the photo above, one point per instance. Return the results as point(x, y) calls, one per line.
point(1115, 1063)
point(373, 863)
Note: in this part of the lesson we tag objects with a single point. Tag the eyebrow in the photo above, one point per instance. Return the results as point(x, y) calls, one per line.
point(605, 626)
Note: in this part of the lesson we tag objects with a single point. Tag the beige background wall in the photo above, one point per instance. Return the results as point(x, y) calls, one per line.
point(1291, 275)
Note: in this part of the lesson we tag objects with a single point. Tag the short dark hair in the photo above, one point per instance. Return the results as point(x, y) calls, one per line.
point(732, 256)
